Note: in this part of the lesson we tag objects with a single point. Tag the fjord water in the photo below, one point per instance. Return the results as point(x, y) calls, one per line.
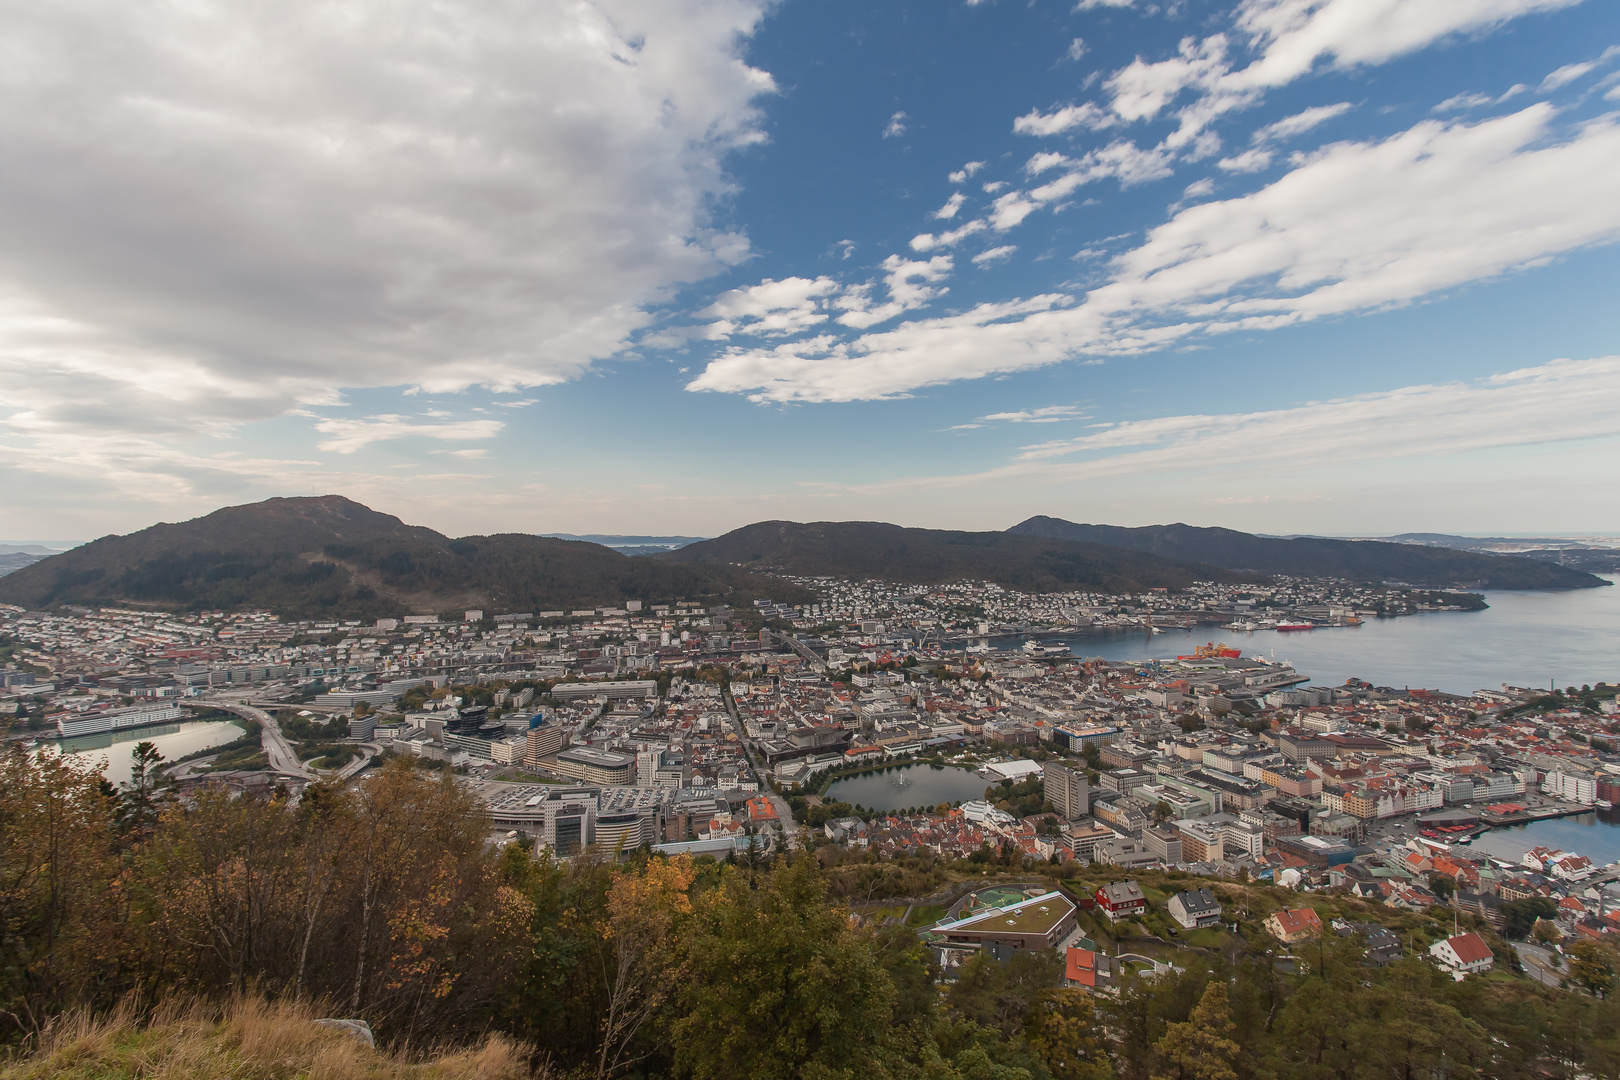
point(1564, 637)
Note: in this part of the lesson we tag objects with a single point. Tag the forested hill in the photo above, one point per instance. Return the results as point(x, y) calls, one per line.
point(1353, 560)
point(872, 549)
point(330, 556)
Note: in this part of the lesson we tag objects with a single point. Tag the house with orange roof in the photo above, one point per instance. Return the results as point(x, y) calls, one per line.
point(1088, 970)
point(1293, 925)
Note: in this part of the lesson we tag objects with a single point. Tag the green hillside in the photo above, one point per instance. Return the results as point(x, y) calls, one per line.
point(873, 549)
point(330, 556)
point(1353, 560)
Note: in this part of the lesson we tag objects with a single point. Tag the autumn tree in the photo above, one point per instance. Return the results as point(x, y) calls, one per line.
point(646, 911)
point(59, 887)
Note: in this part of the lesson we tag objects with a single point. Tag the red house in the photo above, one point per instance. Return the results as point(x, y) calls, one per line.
point(1121, 900)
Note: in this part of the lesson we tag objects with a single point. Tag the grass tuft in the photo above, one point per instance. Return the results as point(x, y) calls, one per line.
point(247, 1039)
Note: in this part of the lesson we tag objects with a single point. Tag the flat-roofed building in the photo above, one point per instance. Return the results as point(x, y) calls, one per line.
point(1066, 789)
point(544, 742)
point(591, 765)
point(1039, 922)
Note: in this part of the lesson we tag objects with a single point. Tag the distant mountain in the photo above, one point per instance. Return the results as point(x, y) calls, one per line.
point(331, 556)
point(870, 549)
point(16, 560)
point(1354, 560)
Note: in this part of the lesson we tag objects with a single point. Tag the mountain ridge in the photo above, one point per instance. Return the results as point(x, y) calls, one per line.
point(328, 555)
point(878, 549)
point(1354, 560)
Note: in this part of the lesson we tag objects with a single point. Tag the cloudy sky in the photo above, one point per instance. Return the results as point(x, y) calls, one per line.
point(1333, 266)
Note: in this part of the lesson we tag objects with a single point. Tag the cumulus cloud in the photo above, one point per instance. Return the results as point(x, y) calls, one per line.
point(930, 241)
point(910, 284)
point(952, 205)
point(965, 173)
point(347, 436)
point(771, 308)
point(994, 255)
point(1085, 115)
point(211, 213)
point(896, 126)
point(1078, 48)
point(1355, 227)
point(1092, 5)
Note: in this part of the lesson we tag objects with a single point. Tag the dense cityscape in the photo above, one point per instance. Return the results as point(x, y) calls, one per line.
point(685, 730)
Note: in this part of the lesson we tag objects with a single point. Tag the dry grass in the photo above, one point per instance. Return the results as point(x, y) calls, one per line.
point(248, 1039)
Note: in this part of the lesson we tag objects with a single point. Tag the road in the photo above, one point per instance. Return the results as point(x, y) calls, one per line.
point(784, 814)
point(802, 649)
point(276, 747)
point(1535, 960)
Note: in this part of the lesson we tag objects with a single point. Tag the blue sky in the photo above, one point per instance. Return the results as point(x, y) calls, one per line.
point(1334, 266)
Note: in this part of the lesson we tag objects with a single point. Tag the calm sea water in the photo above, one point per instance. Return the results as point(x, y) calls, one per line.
point(1524, 638)
point(909, 785)
point(1594, 835)
point(172, 740)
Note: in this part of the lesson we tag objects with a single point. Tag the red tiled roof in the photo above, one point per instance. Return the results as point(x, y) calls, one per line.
point(1470, 948)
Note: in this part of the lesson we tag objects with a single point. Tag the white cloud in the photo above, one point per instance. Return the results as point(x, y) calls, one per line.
point(1559, 401)
point(1078, 48)
point(965, 173)
point(1295, 34)
point(1010, 209)
point(1198, 189)
point(212, 212)
point(1570, 72)
point(1301, 122)
point(994, 255)
point(952, 205)
point(1044, 161)
point(1046, 414)
point(1247, 162)
point(897, 126)
point(930, 241)
point(910, 285)
point(771, 308)
point(1092, 5)
point(1356, 227)
point(1461, 102)
point(1086, 115)
point(994, 186)
point(347, 436)
point(1565, 75)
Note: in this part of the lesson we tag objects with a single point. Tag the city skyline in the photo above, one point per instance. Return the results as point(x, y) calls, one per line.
point(1285, 266)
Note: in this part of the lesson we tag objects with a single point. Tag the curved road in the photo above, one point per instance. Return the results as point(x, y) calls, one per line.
point(276, 747)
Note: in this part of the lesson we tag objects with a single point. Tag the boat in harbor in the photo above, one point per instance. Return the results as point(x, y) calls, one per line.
point(1288, 626)
point(1036, 649)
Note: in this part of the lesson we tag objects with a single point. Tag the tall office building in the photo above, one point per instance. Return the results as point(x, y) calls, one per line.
point(1066, 789)
point(570, 821)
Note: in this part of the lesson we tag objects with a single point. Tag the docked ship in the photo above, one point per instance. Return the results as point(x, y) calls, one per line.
point(1296, 625)
point(1036, 649)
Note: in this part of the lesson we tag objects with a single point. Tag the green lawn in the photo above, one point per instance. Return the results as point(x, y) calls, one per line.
point(926, 915)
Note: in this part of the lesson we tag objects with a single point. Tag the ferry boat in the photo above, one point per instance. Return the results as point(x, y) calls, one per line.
point(1036, 649)
point(1242, 624)
point(1286, 626)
